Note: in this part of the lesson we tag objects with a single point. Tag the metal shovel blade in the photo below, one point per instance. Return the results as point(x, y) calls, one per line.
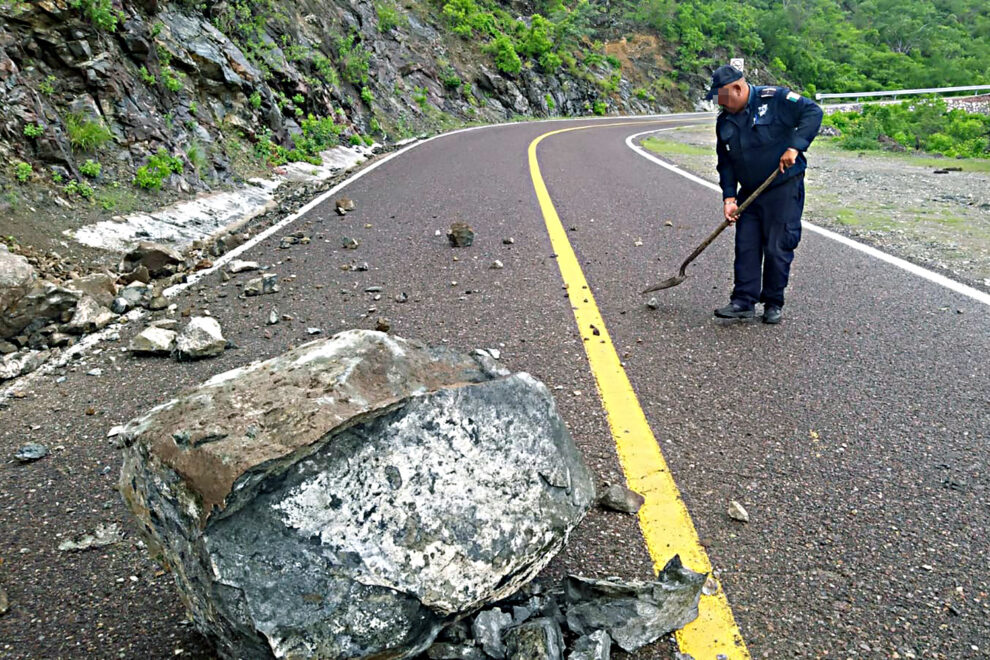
point(666, 284)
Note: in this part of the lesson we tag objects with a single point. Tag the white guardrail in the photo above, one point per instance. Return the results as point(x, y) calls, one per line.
point(902, 92)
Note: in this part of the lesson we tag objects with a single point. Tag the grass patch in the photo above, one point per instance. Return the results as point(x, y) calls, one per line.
point(85, 134)
point(661, 146)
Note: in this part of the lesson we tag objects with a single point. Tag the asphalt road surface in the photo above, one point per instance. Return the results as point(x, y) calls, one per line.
point(855, 433)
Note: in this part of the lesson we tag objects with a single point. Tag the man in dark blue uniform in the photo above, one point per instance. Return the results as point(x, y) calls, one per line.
point(759, 129)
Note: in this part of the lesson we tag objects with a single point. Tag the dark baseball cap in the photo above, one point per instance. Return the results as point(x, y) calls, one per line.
point(721, 77)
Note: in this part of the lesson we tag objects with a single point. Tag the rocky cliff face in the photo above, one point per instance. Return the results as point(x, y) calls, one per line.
point(214, 83)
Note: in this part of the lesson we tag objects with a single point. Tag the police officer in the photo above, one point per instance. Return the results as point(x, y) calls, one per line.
point(759, 129)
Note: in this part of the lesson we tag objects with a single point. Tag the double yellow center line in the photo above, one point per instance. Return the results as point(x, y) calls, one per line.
point(664, 519)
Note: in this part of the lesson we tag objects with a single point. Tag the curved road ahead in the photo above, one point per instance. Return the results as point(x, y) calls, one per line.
point(855, 433)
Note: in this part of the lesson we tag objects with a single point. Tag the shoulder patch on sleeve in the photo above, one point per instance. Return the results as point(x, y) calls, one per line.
point(767, 92)
point(793, 96)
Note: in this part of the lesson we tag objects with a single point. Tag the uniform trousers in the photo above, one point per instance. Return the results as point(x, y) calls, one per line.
point(766, 234)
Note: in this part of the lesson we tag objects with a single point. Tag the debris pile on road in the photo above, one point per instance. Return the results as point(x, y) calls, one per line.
point(355, 496)
point(579, 620)
point(40, 317)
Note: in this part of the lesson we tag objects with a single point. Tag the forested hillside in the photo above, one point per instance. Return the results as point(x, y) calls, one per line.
point(830, 45)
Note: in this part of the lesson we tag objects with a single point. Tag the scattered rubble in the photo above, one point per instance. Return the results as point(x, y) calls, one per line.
point(343, 205)
point(292, 495)
point(349, 243)
point(31, 452)
point(159, 260)
point(460, 235)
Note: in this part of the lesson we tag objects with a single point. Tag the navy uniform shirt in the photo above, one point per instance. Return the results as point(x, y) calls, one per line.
point(751, 142)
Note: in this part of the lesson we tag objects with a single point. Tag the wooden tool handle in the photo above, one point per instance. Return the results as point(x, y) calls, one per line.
point(725, 223)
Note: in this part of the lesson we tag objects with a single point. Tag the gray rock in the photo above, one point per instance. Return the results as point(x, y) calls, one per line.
point(349, 243)
point(6, 348)
point(167, 324)
point(634, 613)
point(153, 341)
point(267, 283)
point(89, 316)
point(99, 286)
point(18, 364)
point(273, 316)
point(119, 305)
point(43, 303)
point(596, 646)
point(202, 338)
point(159, 259)
point(537, 639)
point(105, 534)
point(737, 512)
point(460, 235)
point(17, 276)
point(352, 496)
point(157, 302)
point(136, 294)
point(488, 627)
point(31, 452)
point(621, 499)
point(4, 602)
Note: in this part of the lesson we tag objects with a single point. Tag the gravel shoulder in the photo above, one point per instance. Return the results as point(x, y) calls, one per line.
point(892, 201)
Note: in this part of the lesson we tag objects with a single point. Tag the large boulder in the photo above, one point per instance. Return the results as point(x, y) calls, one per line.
point(352, 496)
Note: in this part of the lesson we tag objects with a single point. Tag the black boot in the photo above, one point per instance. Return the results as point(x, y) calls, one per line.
point(734, 311)
point(772, 314)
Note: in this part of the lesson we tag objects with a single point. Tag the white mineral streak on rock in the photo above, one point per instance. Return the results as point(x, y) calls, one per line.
point(438, 573)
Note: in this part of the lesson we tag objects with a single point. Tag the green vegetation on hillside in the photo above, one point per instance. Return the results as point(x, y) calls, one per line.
point(829, 45)
point(923, 124)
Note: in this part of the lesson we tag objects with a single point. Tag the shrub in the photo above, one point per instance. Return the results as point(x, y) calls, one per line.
point(159, 167)
point(146, 77)
point(599, 108)
point(85, 134)
point(551, 104)
point(367, 96)
point(298, 99)
point(33, 130)
point(419, 96)
point(23, 171)
point(356, 140)
point(353, 59)
point(550, 62)
point(80, 188)
point(47, 86)
point(506, 58)
point(613, 61)
point(450, 79)
point(368, 140)
point(389, 17)
point(196, 156)
point(172, 81)
point(99, 12)
point(255, 100)
point(90, 168)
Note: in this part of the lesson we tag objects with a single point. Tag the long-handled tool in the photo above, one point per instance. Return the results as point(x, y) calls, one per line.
point(680, 277)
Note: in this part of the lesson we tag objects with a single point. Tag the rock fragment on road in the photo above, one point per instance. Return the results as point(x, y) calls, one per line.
point(259, 286)
point(202, 338)
point(31, 452)
point(737, 512)
point(460, 235)
point(105, 534)
point(153, 341)
point(621, 499)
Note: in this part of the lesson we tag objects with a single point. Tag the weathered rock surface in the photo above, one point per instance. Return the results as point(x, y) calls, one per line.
point(153, 341)
point(99, 286)
point(350, 497)
point(596, 646)
point(621, 499)
point(44, 303)
point(159, 259)
point(635, 613)
point(18, 364)
point(16, 278)
point(537, 639)
point(202, 338)
point(89, 316)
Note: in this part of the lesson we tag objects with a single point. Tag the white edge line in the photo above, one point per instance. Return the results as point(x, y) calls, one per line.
point(915, 269)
